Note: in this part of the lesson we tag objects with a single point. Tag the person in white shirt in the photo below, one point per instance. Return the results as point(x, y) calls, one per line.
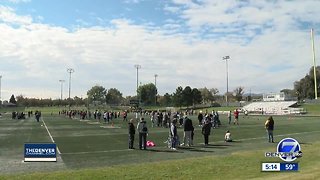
point(227, 136)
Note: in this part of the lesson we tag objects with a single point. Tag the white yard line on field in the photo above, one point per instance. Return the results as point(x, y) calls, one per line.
point(91, 152)
point(50, 134)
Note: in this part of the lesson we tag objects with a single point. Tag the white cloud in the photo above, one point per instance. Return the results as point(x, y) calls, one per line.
point(171, 9)
point(8, 15)
point(34, 56)
point(133, 1)
point(19, 1)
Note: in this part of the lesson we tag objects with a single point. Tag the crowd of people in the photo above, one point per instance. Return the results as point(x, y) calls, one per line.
point(171, 120)
point(175, 120)
point(101, 116)
point(207, 122)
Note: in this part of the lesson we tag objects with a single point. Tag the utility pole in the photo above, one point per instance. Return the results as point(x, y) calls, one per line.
point(0, 91)
point(61, 88)
point(137, 66)
point(314, 66)
point(70, 71)
point(156, 92)
point(226, 58)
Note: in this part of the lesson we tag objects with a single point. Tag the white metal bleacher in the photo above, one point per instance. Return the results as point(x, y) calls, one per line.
point(276, 107)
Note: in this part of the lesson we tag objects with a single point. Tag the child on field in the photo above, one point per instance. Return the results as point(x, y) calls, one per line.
point(227, 136)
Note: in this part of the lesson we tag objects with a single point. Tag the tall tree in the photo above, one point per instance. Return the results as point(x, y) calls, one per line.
point(97, 94)
point(289, 92)
point(114, 96)
point(22, 101)
point(166, 100)
point(146, 93)
point(214, 92)
point(79, 101)
point(304, 88)
point(187, 96)
point(177, 97)
point(13, 99)
point(196, 96)
point(238, 93)
point(209, 95)
point(206, 95)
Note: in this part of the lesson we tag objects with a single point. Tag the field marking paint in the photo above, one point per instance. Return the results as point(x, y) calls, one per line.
point(50, 134)
point(121, 150)
point(91, 152)
point(93, 123)
point(110, 127)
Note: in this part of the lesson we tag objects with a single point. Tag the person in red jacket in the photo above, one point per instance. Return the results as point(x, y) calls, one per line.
point(236, 116)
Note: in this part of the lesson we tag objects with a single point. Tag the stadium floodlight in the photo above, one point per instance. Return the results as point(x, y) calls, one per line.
point(61, 88)
point(70, 71)
point(156, 92)
point(226, 58)
point(0, 90)
point(314, 66)
point(137, 66)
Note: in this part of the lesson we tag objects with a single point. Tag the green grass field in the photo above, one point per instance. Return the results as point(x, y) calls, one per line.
point(92, 150)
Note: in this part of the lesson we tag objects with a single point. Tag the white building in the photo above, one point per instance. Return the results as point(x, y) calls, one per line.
point(276, 97)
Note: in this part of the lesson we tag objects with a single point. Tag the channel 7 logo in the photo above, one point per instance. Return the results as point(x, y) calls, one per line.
point(289, 149)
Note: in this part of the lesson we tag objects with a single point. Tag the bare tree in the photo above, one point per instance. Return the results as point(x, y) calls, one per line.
point(238, 93)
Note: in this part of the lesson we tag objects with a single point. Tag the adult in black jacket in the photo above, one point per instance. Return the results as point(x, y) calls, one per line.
point(132, 132)
point(187, 128)
point(206, 131)
point(200, 118)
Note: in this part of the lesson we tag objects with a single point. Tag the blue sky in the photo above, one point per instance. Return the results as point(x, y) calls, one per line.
point(183, 41)
point(86, 13)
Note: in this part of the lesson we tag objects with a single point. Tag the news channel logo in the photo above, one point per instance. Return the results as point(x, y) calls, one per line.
point(288, 150)
point(40, 152)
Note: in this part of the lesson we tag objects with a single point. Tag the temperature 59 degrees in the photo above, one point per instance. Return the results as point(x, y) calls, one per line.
point(289, 166)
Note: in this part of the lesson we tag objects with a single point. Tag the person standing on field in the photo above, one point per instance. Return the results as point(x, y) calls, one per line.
point(229, 117)
point(200, 118)
point(269, 124)
point(132, 132)
point(174, 134)
point(188, 128)
point(38, 115)
point(236, 117)
point(143, 131)
point(124, 114)
point(206, 128)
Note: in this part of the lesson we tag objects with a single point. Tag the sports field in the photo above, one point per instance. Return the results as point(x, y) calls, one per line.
point(88, 144)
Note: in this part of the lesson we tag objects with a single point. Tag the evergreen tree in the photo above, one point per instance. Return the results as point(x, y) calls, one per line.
point(13, 99)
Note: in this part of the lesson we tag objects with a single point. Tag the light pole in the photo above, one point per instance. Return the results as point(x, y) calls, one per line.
point(140, 93)
point(156, 92)
point(226, 59)
point(314, 66)
point(70, 71)
point(0, 91)
point(137, 66)
point(61, 82)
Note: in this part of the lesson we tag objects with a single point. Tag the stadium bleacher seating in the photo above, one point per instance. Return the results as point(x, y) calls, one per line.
point(276, 107)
